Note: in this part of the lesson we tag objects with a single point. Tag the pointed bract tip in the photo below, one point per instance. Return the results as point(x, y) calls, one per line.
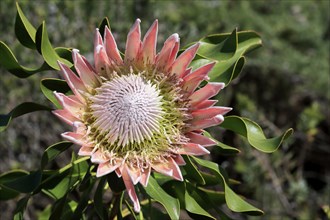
point(98, 48)
point(219, 118)
point(219, 85)
point(60, 63)
point(155, 22)
point(176, 36)
point(196, 45)
point(58, 96)
point(222, 85)
point(75, 50)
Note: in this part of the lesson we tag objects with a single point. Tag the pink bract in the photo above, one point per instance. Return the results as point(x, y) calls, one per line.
point(140, 113)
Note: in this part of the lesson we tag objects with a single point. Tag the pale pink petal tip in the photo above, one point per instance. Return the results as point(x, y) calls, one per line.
point(73, 81)
point(73, 137)
point(65, 116)
point(99, 157)
point(134, 174)
point(149, 43)
point(106, 168)
point(145, 176)
point(98, 38)
point(163, 168)
point(200, 139)
point(193, 149)
point(98, 48)
point(85, 151)
point(75, 51)
point(182, 62)
point(133, 42)
point(208, 91)
point(111, 46)
point(176, 37)
point(205, 123)
point(130, 189)
point(79, 127)
point(176, 170)
point(209, 112)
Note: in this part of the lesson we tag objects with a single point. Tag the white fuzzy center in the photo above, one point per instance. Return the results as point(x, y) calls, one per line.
point(127, 109)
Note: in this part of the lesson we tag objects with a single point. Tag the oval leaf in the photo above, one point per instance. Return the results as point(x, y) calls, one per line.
point(193, 207)
point(224, 149)
point(171, 204)
point(24, 30)
point(53, 151)
point(47, 51)
point(48, 86)
point(228, 65)
point(10, 63)
point(25, 184)
point(19, 110)
point(254, 134)
point(233, 201)
point(100, 209)
point(192, 172)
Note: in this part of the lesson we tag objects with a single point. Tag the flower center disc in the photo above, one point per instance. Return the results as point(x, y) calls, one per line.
point(127, 110)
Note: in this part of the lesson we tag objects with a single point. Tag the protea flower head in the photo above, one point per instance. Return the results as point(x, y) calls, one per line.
point(140, 113)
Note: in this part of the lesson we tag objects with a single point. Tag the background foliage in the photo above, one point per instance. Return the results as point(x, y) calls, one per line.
point(284, 84)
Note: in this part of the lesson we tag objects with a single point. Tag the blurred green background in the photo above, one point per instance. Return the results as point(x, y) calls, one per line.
point(284, 84)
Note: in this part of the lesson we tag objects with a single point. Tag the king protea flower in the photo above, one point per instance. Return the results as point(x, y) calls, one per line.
point(141, 112)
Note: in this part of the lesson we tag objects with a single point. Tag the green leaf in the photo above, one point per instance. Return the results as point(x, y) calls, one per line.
point(19, 110)
point(53, 151)
point(104, 22)
point(49, 85)
point(47, 51)
point(20, 208)
point(233, 201)
point(162, 179)
point(208, 199)
point(64, 180)
point(62, 209)
point(192, 172)
point(227, 75)
point(219, 51)
point(57, 208)
point(254, 134)
point(171, 204)
point(25, 184)
point(223, 148)
point(153, 213)
point(65, 53)
point(87, 180)
point(98, 199)
point(45, 213)
point(24, 30)
point(115, 183)
point(210, 180)
point(229, 58)
point(8, 193)
point(68, 210)
point(9, 62)
point(12, 175)
point(82, 204)
point(193, 206)
point(216, 197)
